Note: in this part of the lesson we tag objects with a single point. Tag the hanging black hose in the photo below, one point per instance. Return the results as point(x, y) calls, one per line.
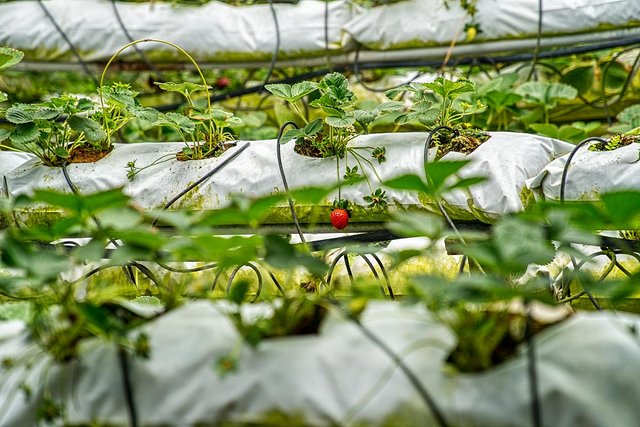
point(565, 170)
point(276, 49)
point(74, 51)
point(127, 386)
point(284, 180)
point(536, 52)
point(397, 360)
point(127, 268)
point(202, 179)
point(139, 51)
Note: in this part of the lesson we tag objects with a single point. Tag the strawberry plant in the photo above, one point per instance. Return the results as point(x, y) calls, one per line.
point(8, 58)
point(68, 129)
point(339, 122)
point(442, 103)
point(206, 128)
point(203, 129)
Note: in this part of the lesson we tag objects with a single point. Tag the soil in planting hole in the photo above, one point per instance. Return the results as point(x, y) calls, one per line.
point(88, 154)
point(460, 140)
point(185, 157)
point(511, 331)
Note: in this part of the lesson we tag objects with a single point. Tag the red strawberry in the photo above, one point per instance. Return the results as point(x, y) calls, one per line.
point(223, 82)
point(340, 214)
point(339, 218)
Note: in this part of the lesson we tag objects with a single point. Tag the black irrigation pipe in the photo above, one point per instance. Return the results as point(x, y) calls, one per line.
point(276, 49)
point(127, 386)
point(74, 51)
point(397, 360)
point(384, 274)
point(139, 51)
point(284, 179)
point(536, 52)
point(470, 60)
point(565, 170)
point(202, 179)
point(127, 268)
point(255, 270)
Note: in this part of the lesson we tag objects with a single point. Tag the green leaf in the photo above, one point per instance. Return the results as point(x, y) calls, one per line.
point(571, 133)
point(3, 96)
point(4, 134)
point(239, 291)
point(546, 129)
point(614, 74)
point(20, 113)
point(449, 89)
point(407, 182)
point(417, 224)
point(91, 129)
point(185, 88)
point(624, 208)
point(9, 57)
point(25, 133)
point(46, 113)
point(581, 78)
point(546, 93)
point(630, 115)
point(340, 122)
point(184, 123)
point(292, 93)
point(439, 172)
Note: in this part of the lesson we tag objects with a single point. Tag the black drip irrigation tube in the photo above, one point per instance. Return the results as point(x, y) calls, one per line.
point(296, 222)
point(74, 51)
point(563, 184)
point(127, 386)
point(397, 360)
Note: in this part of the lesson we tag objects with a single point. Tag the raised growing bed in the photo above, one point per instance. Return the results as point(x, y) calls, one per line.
point(508, 159)
point(336, 377)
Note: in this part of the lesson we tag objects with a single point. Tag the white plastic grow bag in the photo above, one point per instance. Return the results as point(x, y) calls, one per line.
point(590, 174)
point(338, 377)
point(423, 23)
point(213, 32)
point(10, 160)
point(507, 160)
point(253, 173)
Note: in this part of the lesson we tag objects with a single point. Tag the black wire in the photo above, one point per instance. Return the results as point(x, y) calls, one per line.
point(284, 180)
point(276, 49)
point(139, 51)
point(127, 386)
point(202, 179)
point(565, 170)
point(411, 376)
point(491, 60)
point(358, 75)
point(536, 52)
point(71, 46)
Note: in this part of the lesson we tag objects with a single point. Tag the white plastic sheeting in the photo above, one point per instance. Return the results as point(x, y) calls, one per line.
point(213, 32)
point(225, 34)
point(507, 160)
point(590, 174)
point(587, 370)
point(9, 160)
point(254, 173)
point(420, 23)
